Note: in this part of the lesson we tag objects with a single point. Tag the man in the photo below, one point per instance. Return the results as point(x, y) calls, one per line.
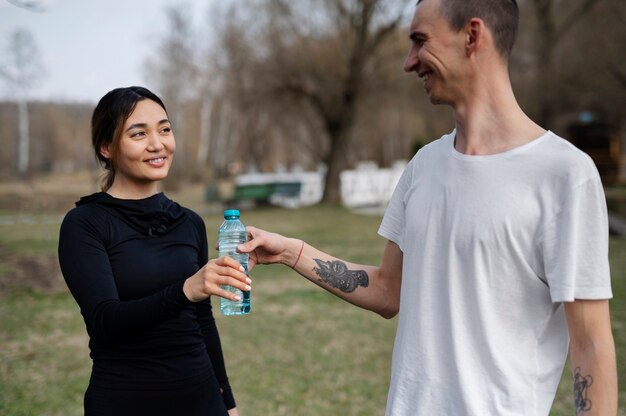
point(498, 242)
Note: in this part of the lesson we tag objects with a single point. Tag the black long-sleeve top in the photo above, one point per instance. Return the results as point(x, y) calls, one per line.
point(125, 262)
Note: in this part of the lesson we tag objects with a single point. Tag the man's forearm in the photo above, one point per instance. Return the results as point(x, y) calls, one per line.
point(361, 285)
point(376, 288)
point(595, 379)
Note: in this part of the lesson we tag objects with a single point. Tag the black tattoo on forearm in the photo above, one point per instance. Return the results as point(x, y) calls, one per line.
point(336, 274)
point(581, 387)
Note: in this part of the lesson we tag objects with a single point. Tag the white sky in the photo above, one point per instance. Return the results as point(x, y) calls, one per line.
point(89, 47)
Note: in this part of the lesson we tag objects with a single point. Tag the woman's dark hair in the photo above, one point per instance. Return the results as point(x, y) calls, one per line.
point(108, 121)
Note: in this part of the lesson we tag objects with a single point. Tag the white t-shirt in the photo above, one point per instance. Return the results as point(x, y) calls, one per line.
point(492, 245)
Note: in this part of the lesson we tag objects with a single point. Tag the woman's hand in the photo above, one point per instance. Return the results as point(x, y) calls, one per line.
point(233, 412)
point(264, 247)
point(209, 280)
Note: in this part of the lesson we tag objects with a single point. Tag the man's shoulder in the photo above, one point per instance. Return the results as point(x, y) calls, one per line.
point(433, 148)
point(562, 154)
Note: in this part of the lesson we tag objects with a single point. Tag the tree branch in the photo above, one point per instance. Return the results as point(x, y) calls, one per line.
point(29, 5)
point(619, 76)
point(574, 16)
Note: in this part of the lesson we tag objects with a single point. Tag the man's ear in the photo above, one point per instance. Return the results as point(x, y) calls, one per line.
point(476, 32)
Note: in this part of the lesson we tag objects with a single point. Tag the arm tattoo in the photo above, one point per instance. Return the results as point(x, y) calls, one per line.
point(581, 386)
point(336, 274)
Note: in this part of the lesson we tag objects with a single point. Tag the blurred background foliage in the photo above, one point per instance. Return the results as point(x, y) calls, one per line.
point(278, 84)
point(286, 84)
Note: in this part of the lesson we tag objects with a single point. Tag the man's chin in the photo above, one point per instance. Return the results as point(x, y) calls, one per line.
point(436, 100)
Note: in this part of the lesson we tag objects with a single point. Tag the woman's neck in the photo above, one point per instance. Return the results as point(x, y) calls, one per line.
point(124, 191)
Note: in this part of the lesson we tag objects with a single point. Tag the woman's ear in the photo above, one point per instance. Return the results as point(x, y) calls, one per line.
point(105, 151)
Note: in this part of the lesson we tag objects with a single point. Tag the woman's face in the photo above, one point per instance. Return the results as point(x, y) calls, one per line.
point(145, 150)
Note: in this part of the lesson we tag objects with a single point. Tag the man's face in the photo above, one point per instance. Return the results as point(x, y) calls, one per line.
point(436, 54)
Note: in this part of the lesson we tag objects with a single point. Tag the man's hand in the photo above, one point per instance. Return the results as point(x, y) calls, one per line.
point(264, 247)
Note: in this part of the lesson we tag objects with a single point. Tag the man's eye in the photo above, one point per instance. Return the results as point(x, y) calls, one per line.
point(166, 130)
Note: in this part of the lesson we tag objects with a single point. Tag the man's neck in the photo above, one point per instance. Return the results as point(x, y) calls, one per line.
point(489, 120)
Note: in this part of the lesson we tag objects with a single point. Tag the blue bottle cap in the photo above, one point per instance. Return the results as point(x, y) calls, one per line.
point(231, 213)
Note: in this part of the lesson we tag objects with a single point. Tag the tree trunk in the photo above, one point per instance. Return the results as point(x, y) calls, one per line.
point(204, 144)
point(550, 34)
point(336, 161)
point(23, 148)
point(545, 85)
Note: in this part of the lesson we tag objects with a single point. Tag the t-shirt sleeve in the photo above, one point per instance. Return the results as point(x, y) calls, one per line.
point(575, 245)
point(87, 271)
point(393, 223)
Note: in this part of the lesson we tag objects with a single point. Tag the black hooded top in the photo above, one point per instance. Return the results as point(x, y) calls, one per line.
point(125, 262)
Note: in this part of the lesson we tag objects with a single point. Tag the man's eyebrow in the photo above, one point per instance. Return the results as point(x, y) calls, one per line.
point(417, 35)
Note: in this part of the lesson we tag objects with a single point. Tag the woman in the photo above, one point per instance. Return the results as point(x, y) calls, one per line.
point(137, 264)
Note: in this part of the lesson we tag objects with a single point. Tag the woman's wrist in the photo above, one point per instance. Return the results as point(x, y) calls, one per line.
point(187, 290)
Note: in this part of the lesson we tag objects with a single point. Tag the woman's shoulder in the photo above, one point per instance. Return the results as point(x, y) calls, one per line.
point(85, 215)
point(194, 217)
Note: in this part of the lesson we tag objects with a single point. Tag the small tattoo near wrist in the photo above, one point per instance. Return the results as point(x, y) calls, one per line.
point(581, 387)
point(336, 274)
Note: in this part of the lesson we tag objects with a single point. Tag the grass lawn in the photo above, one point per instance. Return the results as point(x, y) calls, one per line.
point(300, 352)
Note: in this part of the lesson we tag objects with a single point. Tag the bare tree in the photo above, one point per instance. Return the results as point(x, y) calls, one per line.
point(553, 26)
point(320, 57)
point(21, 70)
point(30, 5)
point(175, 73)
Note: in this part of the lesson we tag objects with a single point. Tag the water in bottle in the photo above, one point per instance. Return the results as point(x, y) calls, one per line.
point(233, 232)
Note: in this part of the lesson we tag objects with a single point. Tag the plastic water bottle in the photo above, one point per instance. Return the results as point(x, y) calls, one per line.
point(233, 232)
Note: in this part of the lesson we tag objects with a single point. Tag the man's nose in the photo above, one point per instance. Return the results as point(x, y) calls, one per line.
point(411, 61)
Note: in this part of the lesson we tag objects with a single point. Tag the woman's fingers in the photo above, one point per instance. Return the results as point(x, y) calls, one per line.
point(228, 266)
point(227, 295)
point(221, 292)
point(210, 279)
point(227, 271)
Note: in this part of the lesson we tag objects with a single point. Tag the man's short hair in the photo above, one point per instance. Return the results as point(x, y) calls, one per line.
point(500, 16)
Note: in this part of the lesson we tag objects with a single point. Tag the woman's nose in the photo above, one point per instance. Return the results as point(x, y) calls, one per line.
point(155, 143)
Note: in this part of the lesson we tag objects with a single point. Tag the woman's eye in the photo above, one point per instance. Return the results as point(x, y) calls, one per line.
point(166, 130)
point(137, 134)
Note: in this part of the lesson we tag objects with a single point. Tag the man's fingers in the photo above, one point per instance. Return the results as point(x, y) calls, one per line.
point(255, 239)
point(249, 246)
point(253, 261)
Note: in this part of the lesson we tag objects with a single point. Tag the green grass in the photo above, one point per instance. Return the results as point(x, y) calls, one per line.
point(43, 360)
point(300, 352)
